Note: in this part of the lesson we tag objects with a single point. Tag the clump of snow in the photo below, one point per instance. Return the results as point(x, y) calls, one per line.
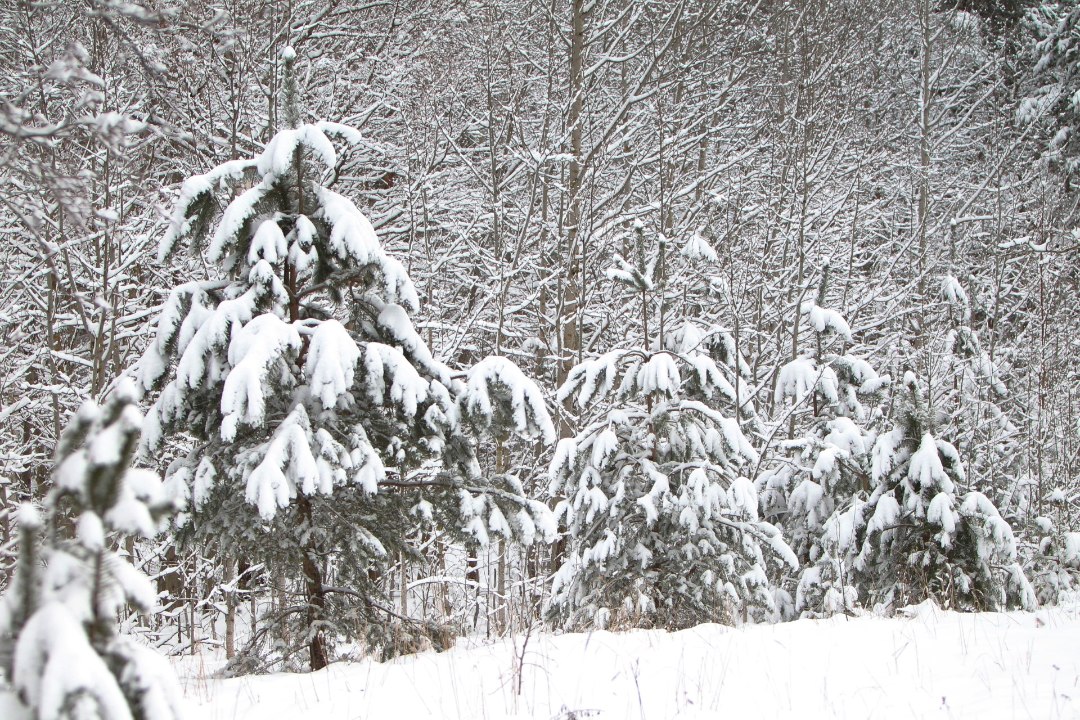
point(28, 517)
point(659, 375)
point(254, 350)
point(941, 513)
point(1072, 549)
point(603, 447)
point(698, 248)
point(394, 322)
point(709, 376)
point(954, 294)
point(287, 464)
point(592, 378)
point(885, 455)
point(352, 238)
point(346, 132)
point(802, 376)
point(331, 362)
point(925, 469)
point(846, 436)
point(386, 371)
point(277, 157)
point(54, 663)
point(823, 320)
point(242, 209)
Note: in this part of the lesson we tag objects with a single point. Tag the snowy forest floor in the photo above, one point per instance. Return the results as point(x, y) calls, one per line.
point(931, 663)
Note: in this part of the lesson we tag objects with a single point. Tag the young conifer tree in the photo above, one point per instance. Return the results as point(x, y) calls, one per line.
point(60, 646)
point(971, 388)
point(826, 396)
point(918, 536)
point(664, 528)
point(322, 429)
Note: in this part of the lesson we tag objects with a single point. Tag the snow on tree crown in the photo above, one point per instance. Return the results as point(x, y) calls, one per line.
point(322, 233)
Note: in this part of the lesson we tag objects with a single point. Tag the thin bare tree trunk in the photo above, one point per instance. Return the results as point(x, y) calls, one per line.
point(230, 609)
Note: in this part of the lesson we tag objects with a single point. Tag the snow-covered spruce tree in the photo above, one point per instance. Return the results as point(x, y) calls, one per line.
point(1054, 84)
point(322, 430)
point(824, 465)
point(973, 390)
point(1051, 555)
point(664, 531)
point(60, 647)
point(915, 536)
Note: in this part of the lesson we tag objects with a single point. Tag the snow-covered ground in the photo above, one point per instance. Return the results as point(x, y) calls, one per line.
point(930, 664)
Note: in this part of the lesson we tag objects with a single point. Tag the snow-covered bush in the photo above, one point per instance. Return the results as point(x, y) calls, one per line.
point(60, 647)
point(885, 518)
point(971, 388)
point(827, 471)
point(322, 429)
point(1051, 552)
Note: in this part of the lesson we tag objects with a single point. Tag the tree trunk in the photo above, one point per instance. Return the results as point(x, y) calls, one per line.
point(571, 300)
point(230, 611)
point(925, 99)
point(316, 596)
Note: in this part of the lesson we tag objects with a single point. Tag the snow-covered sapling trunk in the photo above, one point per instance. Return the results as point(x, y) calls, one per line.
point(59, 641)
point(322, 430)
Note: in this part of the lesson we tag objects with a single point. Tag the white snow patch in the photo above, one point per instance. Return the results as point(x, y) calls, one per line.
point(935, 664)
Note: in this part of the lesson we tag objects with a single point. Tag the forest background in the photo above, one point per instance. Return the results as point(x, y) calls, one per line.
point(566, 179)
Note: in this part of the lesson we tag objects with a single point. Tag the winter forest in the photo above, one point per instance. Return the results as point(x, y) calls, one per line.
point(340, 331)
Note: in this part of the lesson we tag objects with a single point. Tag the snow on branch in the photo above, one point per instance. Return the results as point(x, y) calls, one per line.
point(801, 377)
point(331, 362)
point(197, 190)
point(498, 394)
point(353, 239)
point(383, 366)
point(287, 463)
point(253, 351)
point(925, 469)
point(824, 320)
point(591, 378)
point(278, 158)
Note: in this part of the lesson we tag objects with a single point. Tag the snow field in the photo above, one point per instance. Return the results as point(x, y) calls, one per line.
point(933, 663)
